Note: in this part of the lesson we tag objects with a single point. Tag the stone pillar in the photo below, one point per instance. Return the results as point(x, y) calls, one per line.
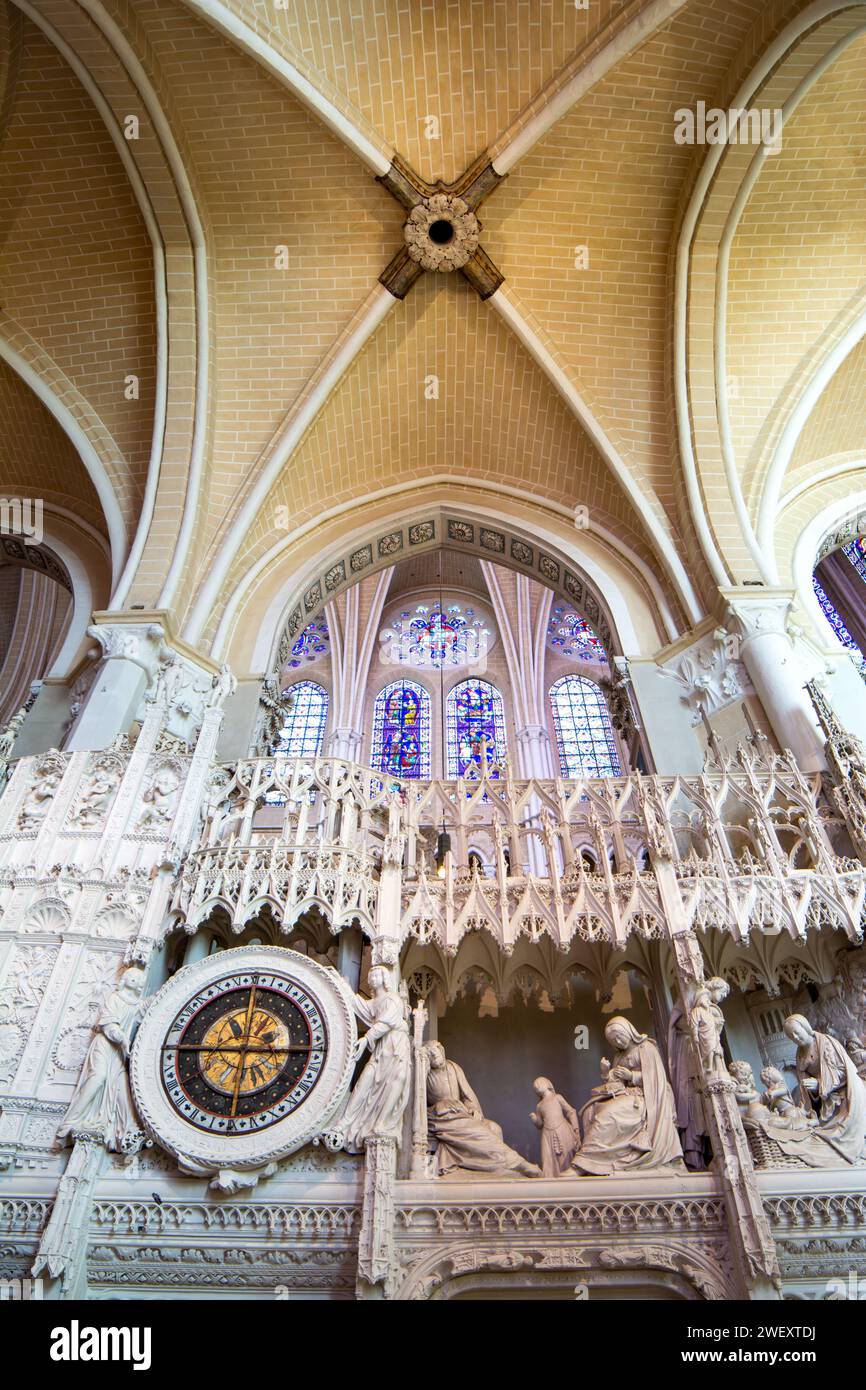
point(346, 743)
point(184, 826)
point(660, 997)
point(47, 720)
point(157, 969)
point(536, 760)
point(131, 653)
point(420, 1139)
point(752, 1243)
point(376, 1240)
point(386, 942)
point(670, 738)
point(350, 948)
point(774, 669)
point(62, 1253)
point(198, 947)
point(536, 757)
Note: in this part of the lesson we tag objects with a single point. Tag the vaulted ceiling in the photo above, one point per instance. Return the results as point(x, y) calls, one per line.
point(197, 357)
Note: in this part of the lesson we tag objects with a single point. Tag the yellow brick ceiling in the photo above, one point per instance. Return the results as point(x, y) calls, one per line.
point(77, 270)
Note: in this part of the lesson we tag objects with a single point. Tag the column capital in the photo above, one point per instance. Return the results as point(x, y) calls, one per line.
point(346, 742)
point(533, 733)
point(118, 640)
point(759, 610)
point(147, 673)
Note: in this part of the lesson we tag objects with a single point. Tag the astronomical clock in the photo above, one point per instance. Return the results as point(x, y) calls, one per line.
point(241, 1058)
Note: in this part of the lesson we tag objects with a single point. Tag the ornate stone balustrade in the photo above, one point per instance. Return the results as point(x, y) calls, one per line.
point(592, 908)
point(243, 880)
point(753, 844)
point(669, 1232)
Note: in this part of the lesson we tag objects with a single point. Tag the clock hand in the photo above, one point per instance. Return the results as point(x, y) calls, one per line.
point(242, 1057)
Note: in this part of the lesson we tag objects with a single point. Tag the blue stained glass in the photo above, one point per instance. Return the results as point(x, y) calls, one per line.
point(303, 729)
point(572, 635)
point(856, 552)
point(835, 621)
point(401, 730)
point(473, 710)
point(432, 636)
point(312, 643)
point(584, 735)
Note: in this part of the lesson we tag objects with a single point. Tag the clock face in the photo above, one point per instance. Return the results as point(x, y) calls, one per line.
point(243, 1057)
point(244, 1053)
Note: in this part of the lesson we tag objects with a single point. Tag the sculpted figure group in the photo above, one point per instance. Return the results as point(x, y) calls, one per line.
point(826, 1127)
point(634, 1121)
point(627, 1125)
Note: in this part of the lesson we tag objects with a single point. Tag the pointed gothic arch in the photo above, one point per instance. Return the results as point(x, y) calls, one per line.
point(585, 739)
point(303, 730)
point(401, 730)
point(473, 710)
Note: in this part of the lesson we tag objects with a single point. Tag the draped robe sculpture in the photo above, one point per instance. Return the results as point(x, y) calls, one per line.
point(101, 1105)
point(830, 1088)
point(464, 1138)
point(685, 1072)
point(376, 1104)
point(557, 1121)
point(629, 1122)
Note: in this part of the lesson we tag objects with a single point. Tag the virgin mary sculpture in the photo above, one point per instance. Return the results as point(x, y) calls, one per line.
point(830, 1088)
point(629, 1123)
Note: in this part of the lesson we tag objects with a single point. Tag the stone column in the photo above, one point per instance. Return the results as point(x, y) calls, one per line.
point(536, 756)
point(346, 743)
point(198, 947)
point(774, 669)
point(386, 941)
point(62, 1253)
point(131, 653)
point(536, 760)
point(184, 826)
point(376, 1240)
point(752, 1243)
point(670, 739)
point(420, 1139)
point(350, 948)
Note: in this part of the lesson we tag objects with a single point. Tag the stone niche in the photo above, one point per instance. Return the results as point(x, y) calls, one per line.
point(503, 1046)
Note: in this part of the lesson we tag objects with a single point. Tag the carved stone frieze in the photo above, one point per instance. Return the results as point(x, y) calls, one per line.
point(710, 676)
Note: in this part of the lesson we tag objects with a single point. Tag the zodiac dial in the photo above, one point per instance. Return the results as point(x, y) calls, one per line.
point(244, 1053)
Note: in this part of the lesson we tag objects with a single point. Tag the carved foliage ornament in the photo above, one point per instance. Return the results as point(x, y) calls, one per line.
point(441, 232)
point(241, 1059)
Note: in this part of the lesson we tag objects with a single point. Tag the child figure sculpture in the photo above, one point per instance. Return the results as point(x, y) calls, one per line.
point(782, 1103)
point(557, 1121)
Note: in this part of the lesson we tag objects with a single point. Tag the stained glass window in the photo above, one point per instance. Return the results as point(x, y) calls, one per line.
point(401, 730)
point(473, 710)
point(312, 643)
point(572, 635)
point(303, 729)
point(430, 635)
point(856, 552)
point(835, 621)
point(584, 735)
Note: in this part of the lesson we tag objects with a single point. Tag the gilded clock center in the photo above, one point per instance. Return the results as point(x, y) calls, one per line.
point(242, 1054)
